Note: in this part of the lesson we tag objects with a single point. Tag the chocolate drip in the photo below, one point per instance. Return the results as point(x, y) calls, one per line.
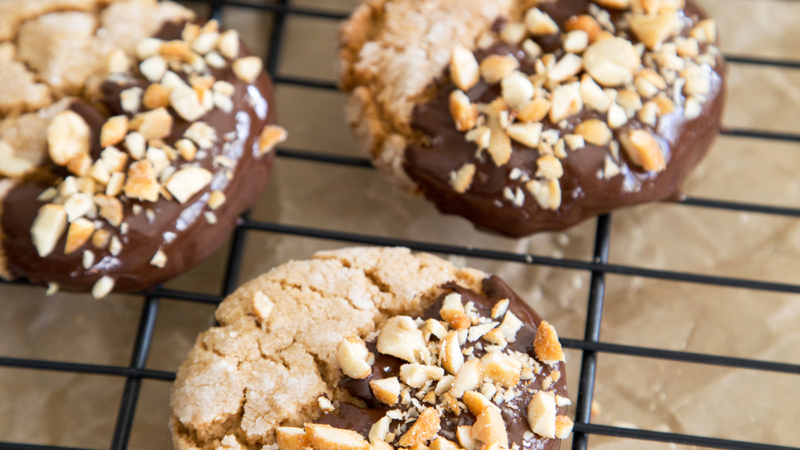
point(514, 412)
point(584, 195)
point(180, 230)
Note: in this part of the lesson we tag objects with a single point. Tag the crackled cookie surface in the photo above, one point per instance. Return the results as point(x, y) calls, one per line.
point(370, 348)
point(524, 116)
point(131, 139)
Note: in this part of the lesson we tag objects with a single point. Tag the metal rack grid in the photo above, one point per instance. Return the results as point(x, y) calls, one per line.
point(598, 267)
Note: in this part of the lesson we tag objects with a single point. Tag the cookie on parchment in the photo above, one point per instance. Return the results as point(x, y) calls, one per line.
point(525, 115)
point(131, 139)
point(372, 348)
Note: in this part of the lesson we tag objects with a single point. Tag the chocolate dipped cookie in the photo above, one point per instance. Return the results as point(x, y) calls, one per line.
point(131, 139)
point(527, 116)
point(373, 348)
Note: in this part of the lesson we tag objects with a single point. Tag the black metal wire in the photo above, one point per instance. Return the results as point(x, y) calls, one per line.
point(590, 345)
point(133, 384)
point(497, 255)
point(92, 369)
point(674, 438)
point(594, 317)
point(18, 446)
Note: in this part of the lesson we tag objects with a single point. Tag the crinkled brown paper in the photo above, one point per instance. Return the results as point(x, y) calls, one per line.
point(80, 411)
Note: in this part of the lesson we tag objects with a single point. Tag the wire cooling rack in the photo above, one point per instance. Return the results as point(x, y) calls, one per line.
point(598, 267)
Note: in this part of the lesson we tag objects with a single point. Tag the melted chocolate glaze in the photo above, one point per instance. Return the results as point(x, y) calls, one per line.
point(583, 194)
point(180, 230)
point(514, 413)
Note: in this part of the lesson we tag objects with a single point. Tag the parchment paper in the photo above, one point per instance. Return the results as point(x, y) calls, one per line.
point(80, 411)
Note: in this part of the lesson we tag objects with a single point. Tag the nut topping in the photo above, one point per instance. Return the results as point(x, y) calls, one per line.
point(692, 109)
point(141, 183)
point(502, 369)
point(216, 199)
point(270, 137)
point(490, 428)
point(585, 23)
point(487, 377)
point(326, 437)
point(629, 101)
point(113, 131)
point(110, 209)
point(469, 377)
point(594, 132)
point(546, 344)
point(510, 326)
point(155, 124)
point(401, 338)
point(67, 136)
point(443, 444)
point(136, 144)
point(528, 134)
point(617, 117)
point(547, 193)
point(542, 415)
point(79, 233)
point(290, 438)
point(464, 113)
point(593, 95)
point(705, 31)
point(156, 96)
point(424, 429)
point(614, 4)
point(248, 68)
point(563, 427)
point(576, 41)
point(565, 68)
point(495, 67)
point(103, 287)
point(611, 62)
point(185, 183)
point(387, 390)
point(462, 179)
point(464, 69)
point(352, 357)
point(539, 23)
point(379, 430)
point(262, 306)
point(450, 356)
point(566, 101)
point(513, 33)
point(12, 163)
point(548, 166)
point(452, 312)
point(643, 149)
point(228, 44)
point(653, 30)
point(535, 111)
point(48, 227)
point(463, 435)
point(148, 47)
point(517, 90)
point(499, 143)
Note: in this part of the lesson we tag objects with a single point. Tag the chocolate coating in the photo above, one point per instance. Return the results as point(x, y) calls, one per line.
point(514, 412)
point(180, 230)
point(584, 195)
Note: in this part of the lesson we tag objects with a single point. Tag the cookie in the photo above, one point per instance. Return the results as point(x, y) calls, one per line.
point(365, 348)
point(132, 137)
point(526, 116)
